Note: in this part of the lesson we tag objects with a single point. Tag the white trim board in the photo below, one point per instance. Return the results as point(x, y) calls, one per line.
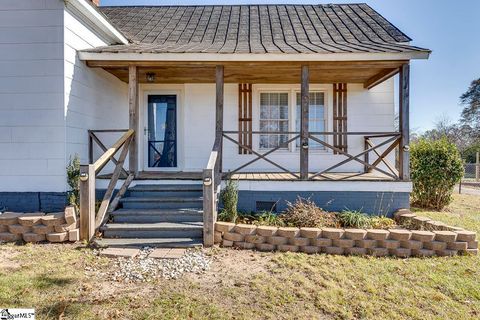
point(97, 19)
point(124, 56)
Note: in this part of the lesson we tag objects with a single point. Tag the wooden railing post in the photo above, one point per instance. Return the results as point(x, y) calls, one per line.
point(87, 202)
point(219, 96)
point(366, 169)
point(404, 113)
point(209, 207)
point(305, 102)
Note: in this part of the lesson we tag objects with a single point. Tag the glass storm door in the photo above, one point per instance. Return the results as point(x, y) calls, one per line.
point(162, 131)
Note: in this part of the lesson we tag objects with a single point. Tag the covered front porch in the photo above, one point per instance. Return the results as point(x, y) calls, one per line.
point(236, 145)
point(248, 148)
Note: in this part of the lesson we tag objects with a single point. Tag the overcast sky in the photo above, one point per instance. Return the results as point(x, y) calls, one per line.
point(450, 28)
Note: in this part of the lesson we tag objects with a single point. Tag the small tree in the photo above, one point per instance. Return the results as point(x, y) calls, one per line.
point(436, 167)
point(73, 178)
point(229, 196)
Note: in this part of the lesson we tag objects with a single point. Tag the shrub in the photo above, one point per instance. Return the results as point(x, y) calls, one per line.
point(262, 218)
point(229, 196)
point(268, 218)
point(436, 166)
point(305, 213)
point(73, 178)
point(354, 219)
point(381, 222)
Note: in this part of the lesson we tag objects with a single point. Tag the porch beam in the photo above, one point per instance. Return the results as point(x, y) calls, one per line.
point(133, 108)
point(404, 122)
point(305, 97)
point(219, 89)
point(380, 78)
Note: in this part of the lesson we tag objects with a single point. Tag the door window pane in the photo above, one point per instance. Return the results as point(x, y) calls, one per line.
point(162, 131)
point(273, 118)
point(316, 118)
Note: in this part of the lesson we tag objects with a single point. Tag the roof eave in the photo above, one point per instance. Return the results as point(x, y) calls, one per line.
point(98, 19)
point(223, 57)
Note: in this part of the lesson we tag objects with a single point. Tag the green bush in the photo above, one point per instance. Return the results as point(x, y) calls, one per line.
point(73, 178)
point(354, 219)
point(436, 166)
point(229, 196)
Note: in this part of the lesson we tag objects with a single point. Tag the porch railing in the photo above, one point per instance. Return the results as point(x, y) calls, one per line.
point(211, 182)
point(391, 141)
point(90, 218)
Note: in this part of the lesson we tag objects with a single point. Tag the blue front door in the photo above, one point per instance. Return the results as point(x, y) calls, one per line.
point(162, 131)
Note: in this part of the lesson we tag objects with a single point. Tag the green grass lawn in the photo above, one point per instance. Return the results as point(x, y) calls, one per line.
point(252, 285)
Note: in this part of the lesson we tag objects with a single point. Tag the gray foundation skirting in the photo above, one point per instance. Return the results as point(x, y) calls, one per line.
point(33, 201)
point(378, 203)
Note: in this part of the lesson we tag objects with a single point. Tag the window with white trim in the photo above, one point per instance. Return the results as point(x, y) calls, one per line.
point(316, 118)
point(274, 109)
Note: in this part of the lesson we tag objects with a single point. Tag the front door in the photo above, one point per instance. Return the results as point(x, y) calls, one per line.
point(162, 131)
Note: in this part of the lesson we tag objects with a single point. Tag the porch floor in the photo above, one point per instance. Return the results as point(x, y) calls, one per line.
point(261, 176)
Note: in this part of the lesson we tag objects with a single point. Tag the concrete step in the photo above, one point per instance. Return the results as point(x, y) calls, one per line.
point(153, 230)
point(166, 190)
point(162, 202)
point(151, 242)
point(167, 187)
point(156, 215)
point(164, 193)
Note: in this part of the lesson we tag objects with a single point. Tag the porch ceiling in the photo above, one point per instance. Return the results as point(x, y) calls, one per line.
point(366, 72)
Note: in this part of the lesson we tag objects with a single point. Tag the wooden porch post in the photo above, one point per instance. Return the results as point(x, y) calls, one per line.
point(219, 83)
point(133, 117)
point(305, 102)
point(404, 121)
point(87, 202)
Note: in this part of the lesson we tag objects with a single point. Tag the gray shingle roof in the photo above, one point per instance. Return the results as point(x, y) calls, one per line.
point(342, 28)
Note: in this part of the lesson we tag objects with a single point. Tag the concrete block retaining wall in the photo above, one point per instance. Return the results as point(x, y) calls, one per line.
point(401, 243)
point(38, 226)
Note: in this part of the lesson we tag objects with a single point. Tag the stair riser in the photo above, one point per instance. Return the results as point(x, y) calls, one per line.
point(160, 194)
point(157, 218)
point(148, 243)
point(162, 205)
point(144, 234)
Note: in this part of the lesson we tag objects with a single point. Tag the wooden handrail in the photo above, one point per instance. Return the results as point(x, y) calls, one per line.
point(211, 180)
point(104, 158)
point(91, 221)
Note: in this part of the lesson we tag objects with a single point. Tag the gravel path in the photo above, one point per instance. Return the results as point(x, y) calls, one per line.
point(145, 269)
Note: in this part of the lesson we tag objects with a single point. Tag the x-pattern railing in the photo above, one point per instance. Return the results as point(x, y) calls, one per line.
point(391, 142)
point(394, 139)
point(263, 156)
point(90, 219)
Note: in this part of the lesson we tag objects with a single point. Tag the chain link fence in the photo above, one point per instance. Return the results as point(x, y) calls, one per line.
point(471, 178)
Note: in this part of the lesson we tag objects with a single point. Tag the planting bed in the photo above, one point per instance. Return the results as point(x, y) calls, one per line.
point(39, 227)
point(420, 237)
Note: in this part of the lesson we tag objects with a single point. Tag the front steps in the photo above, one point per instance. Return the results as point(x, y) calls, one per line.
point(169, 216)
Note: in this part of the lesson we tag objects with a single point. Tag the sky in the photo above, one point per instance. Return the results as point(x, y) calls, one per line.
point(450, 28)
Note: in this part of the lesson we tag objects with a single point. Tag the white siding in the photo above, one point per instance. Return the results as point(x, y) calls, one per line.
point(368, 110)
point(94, 99)
point(48, 98)
point(32, 131)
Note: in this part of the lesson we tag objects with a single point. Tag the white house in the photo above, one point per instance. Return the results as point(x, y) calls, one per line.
point(290, 100)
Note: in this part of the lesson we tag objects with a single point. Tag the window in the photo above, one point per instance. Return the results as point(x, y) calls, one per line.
point(273, 118)
point(316, 118)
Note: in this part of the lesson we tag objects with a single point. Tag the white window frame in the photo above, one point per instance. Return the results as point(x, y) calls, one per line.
point(292, 91)
point(325, 117)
